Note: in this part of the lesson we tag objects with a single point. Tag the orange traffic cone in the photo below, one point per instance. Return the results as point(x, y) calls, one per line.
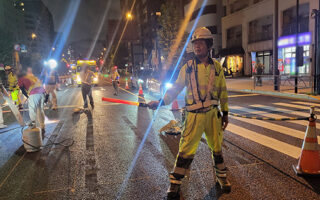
point(127, 86)
point(309, 161)
point(140, 90)
point(175, 105)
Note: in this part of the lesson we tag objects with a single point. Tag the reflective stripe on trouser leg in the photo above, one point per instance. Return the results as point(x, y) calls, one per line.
point(219, 166)
point(181, 168)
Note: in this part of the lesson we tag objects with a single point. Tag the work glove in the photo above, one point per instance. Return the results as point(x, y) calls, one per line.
point(153, 104)
point(225, 121)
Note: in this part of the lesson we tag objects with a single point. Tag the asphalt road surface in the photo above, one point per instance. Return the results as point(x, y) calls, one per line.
point(118, 152)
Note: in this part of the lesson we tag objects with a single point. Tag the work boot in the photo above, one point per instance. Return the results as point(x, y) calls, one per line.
point(173, 192)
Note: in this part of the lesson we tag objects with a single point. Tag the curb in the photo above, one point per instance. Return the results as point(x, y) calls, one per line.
point(278, 94)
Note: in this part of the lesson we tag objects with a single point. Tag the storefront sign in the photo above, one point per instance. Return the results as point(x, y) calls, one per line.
point(290, 40)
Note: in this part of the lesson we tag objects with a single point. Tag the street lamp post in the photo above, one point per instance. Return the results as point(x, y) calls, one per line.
point(129, 18)
point(296, 67)
point(316, 15)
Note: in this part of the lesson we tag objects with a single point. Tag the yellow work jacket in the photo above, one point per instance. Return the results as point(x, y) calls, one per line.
point(115, 76)
point(12, 81)
point(219, 91)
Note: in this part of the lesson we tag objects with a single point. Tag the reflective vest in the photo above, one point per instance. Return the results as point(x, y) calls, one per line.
point(202, 91)
point(198, 102)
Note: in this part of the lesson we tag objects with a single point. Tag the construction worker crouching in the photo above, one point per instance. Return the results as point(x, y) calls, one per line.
point(13, 86)
point(206, 90)
point(32, 89)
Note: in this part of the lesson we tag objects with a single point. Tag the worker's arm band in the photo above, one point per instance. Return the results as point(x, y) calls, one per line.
point(225, 113)
point(161, 101)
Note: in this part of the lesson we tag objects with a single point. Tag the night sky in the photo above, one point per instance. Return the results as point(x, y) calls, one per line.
point(88, 18)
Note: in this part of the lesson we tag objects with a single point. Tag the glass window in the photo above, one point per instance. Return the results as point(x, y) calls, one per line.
point(288, 55)
point(260, 53)
point(266, 53)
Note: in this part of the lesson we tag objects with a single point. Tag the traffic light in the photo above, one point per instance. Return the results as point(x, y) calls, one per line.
point(101, 62)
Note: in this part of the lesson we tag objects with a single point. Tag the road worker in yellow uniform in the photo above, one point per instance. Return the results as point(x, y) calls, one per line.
point(206, 111)
point(13, 86)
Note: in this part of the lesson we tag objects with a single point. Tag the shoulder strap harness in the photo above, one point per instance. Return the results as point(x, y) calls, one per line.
point(207, 101)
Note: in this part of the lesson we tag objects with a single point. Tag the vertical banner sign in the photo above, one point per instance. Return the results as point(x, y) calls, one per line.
point(280, 65)
point(253, 61)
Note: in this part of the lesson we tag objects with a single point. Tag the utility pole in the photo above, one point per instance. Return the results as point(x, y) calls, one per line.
point(276, 73)
point(297, 33)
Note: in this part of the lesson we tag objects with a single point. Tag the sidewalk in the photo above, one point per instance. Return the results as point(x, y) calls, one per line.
point(245, 84)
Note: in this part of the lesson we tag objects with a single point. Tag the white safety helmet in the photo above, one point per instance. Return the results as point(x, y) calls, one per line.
point(202, 33)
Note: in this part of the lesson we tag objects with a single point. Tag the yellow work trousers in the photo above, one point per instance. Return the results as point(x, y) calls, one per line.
point(195, 125)
point(15, 96)
point(51, 89)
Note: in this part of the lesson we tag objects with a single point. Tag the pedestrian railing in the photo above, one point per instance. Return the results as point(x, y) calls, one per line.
point(284, 82)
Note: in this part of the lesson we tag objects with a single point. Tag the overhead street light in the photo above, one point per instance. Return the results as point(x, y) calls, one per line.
point(129, 16)
point(33, 36)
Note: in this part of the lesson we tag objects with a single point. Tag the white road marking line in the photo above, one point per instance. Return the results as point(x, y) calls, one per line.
point(243, 95)
point(266, 141)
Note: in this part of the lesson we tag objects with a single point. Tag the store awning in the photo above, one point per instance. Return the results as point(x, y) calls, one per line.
point(231, 51)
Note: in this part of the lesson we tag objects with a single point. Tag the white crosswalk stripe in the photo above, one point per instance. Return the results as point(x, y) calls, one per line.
point(292, 105)
point(272, 143)
point(275, 127)
point(307, 103)
point(282, 130)
point(271, 108)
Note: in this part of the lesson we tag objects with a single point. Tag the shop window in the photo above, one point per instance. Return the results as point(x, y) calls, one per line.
point(289, 55)
point(264, 57)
